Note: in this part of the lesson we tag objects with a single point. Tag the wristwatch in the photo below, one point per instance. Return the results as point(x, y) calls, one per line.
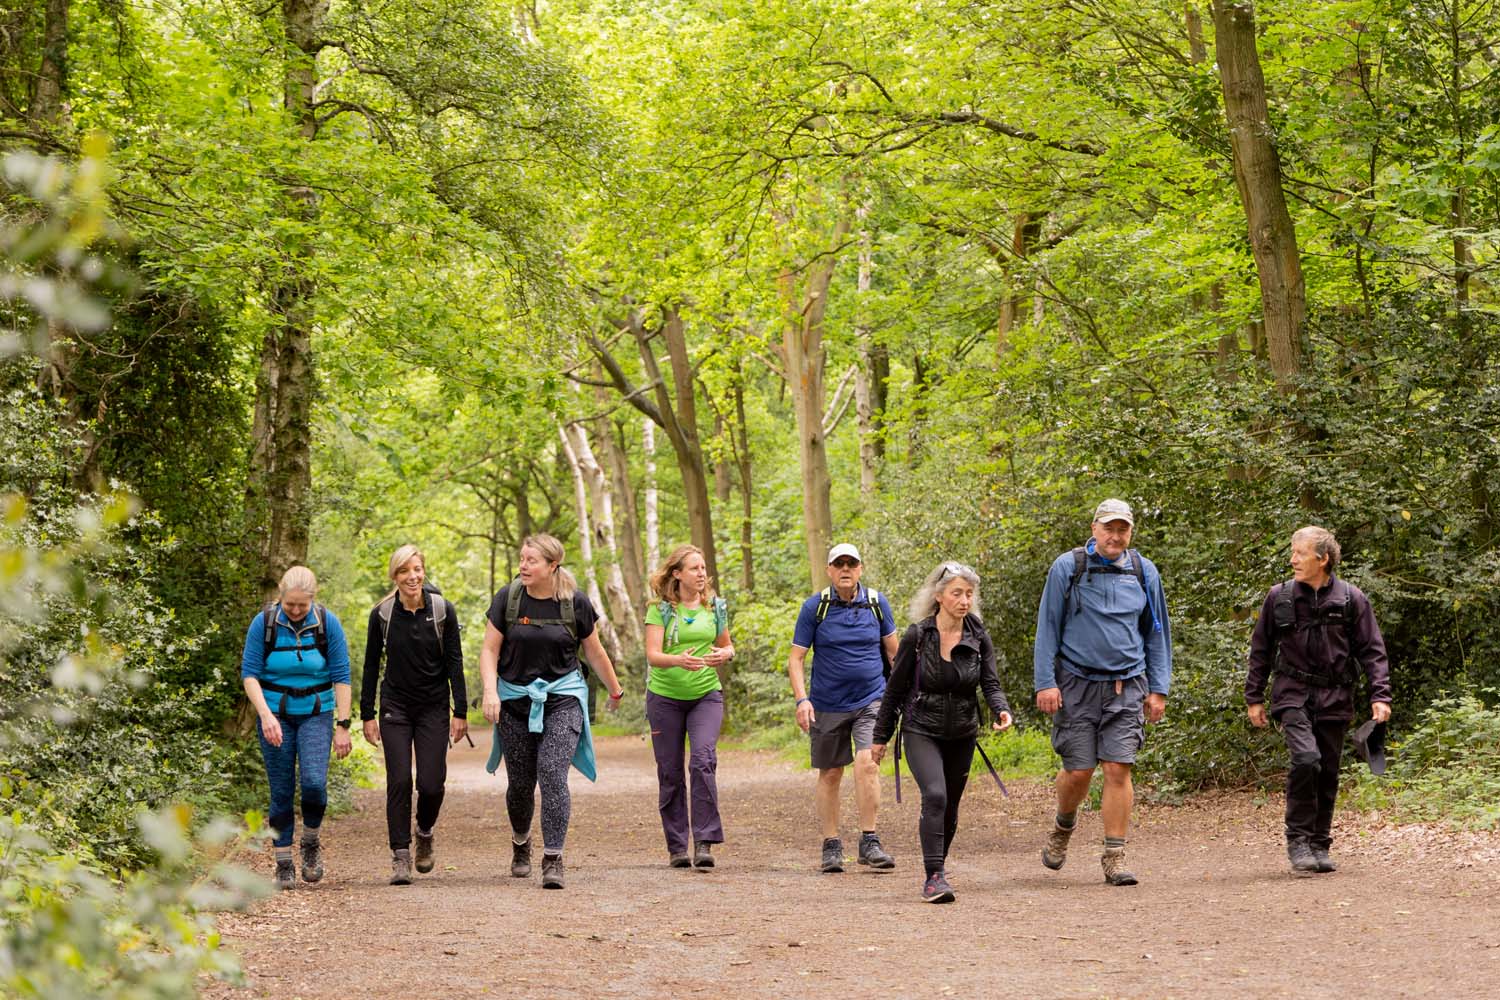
point(343, 723)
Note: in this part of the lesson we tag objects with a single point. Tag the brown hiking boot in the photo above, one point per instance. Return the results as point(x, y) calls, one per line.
point(1115, 872)
point(312, 858)
point(401, 867)
point(552, 871)
point(424, 853)
point(1055, 850)
point(520, 859)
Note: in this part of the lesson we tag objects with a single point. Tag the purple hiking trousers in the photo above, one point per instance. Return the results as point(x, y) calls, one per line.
point(698, 722)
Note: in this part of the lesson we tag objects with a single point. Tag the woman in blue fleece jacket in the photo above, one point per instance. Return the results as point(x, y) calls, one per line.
point(296, 675)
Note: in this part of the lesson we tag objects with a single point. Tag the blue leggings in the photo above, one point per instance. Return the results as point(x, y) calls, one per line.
point(310, 738)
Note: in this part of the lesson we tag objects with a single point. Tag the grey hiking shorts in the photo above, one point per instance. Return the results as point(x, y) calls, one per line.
point(1097, 723)
point(831, 733)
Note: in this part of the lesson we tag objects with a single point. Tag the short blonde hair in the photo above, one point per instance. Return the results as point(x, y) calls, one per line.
point(298, 579)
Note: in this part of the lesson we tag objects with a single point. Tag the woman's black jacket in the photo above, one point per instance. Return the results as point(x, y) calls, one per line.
point(936, 697)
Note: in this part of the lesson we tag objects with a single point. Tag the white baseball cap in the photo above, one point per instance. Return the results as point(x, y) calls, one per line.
point(843, 549)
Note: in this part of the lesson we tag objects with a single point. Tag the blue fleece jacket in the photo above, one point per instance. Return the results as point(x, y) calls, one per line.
point(1101, 635)
point(295, 661)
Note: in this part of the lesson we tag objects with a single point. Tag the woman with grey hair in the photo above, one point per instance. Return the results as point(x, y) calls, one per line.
point(413, 632)
point(943, 659)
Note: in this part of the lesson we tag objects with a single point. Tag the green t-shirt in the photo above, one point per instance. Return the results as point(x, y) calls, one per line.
point(695, 634)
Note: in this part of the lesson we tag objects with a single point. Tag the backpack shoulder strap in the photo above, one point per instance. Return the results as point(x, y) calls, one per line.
point(320, 630)
point(825, 598)
point(513, 602)
point(1284, 612)
point(569, 617)
point(873, 596)
point(439, 616)
point(1138, 568)
point(721, 616)
point(1080, 563)
point(268, 616)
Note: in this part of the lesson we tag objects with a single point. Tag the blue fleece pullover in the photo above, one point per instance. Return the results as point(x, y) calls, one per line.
point(295, 661)
point(1101, 636)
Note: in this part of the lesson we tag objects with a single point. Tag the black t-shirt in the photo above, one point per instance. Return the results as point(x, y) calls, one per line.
point(546, 651)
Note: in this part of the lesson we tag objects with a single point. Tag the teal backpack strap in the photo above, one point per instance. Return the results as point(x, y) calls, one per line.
point(668, 623)
point(721, 616)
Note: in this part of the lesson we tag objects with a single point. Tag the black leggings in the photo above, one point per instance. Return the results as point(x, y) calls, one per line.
point(941, 768)
point(406, 732)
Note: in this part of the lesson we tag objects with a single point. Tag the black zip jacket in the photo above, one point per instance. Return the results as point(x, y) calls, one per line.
point(416, 674)
point(945, 705)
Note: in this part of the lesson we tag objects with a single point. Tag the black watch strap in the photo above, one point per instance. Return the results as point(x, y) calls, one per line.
point(343, 723)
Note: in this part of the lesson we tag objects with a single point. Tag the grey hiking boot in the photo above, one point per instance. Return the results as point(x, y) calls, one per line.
point(1301, 856)
point(312, 858)
point(552, 871)
point(833, 855)
point(424, 860)
point(1325, 863)
point(1055, 850)
point(872, 854)
point(401, 867)
point(703, 855)
point(1115, 872)
point(936, 889)
point(520, 859)
point(679, 860)
point(286, 873)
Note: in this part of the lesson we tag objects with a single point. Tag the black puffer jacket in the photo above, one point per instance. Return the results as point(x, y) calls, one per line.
point(944, 704)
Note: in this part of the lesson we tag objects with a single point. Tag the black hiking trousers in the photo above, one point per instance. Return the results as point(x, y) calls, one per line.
point(407, 732)
point(941, 768)
point(1312, 784)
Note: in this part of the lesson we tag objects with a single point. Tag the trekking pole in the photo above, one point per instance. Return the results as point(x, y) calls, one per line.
point(993, 773)
point(898, 768)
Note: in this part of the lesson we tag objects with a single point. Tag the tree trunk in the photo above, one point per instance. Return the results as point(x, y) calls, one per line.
point(804, 305)
point(1257, 174)
point(629, 533)
point(867, 381)
point(653, 519)
point(45, 109)
point(1023, 236)
point(585, 565)
point(722, 477)
point(601, 501)
point(742, 456)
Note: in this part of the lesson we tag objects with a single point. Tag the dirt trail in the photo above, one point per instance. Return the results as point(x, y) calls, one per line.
point(1411, 913)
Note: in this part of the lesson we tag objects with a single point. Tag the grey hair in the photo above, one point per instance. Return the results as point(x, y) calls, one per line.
point(924, 604)
point(1323, 543)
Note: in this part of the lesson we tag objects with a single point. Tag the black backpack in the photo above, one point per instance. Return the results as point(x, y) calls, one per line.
point(320, 631)
point(872, 601)
point(1337, 610)
point(1083, 566)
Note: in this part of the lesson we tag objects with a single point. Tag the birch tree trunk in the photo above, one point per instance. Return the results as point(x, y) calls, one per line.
point(601, 500)
point(869, 379)
point(586, 556)
point(1257, 174)
point(653, 519)
point(628, 529)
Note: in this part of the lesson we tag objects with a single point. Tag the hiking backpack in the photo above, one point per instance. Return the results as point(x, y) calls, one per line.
point(1338, 609)
point(872, 601)
point(271, 612)
point(1082, 566)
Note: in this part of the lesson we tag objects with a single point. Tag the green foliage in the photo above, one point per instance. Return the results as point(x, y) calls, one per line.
point(1445, 769)
point(759, 698)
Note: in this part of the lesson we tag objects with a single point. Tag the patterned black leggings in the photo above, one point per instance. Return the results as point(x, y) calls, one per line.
point(542, 758)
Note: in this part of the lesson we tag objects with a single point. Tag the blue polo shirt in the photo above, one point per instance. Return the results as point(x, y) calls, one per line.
point(847, 673)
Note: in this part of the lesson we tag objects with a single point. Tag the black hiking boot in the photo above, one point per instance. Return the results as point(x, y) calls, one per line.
point(679, 860)
point(312, 858)
point(424, 859)
point(520, 859)
point(872, 854)
point(552, 871)
point(401, 867)
point(703, 855)
point(833, 855)
point(286, 873)
point(1301, 856)
point(1325, 863)
point(936, 889)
